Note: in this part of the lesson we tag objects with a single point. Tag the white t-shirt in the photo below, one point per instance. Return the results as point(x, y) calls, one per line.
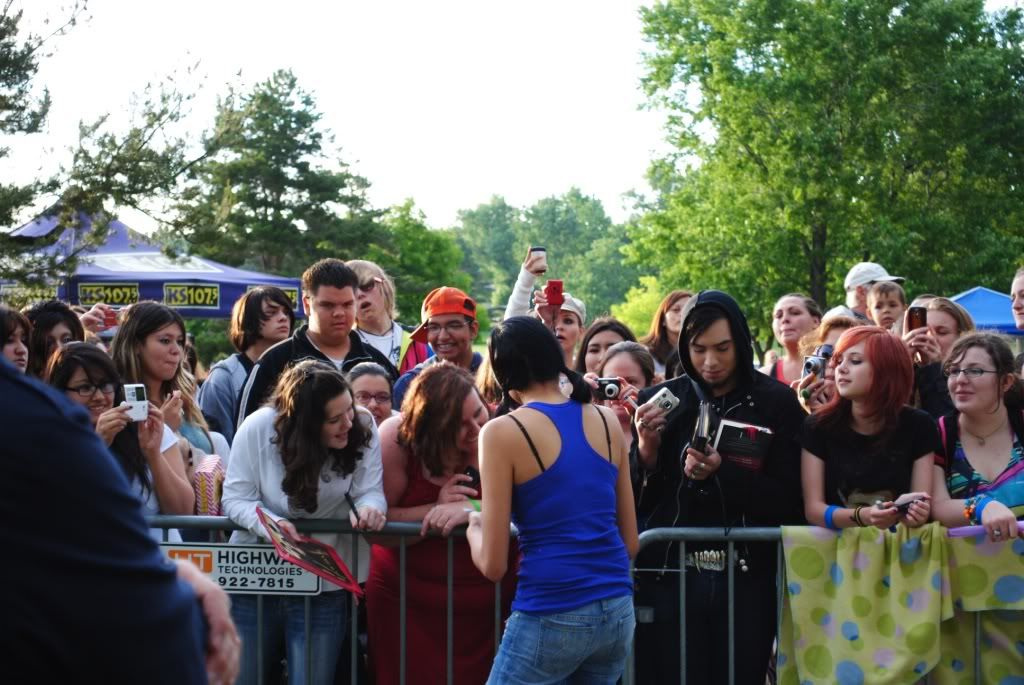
point(389, 344)
point(150, 505)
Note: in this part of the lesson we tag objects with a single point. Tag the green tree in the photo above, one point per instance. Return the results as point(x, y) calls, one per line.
point(641, 303)
point(105, 169)
point(585, 248)
point(271, 195)
point(810, 136)
point(418, 258)
point(488, 238)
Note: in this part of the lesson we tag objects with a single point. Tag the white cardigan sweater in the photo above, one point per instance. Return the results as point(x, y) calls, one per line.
point(254, 477)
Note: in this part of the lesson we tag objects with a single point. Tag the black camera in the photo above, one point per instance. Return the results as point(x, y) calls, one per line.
point(608, 388)
point(816, 363)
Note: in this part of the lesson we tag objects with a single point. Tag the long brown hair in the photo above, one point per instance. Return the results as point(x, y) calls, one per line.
point(138, 322)
point(44, 316)
point(300, 398)
point(432, 415)
point(657, 338)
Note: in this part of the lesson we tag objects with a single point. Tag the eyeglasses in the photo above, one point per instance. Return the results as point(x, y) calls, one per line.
point(368, 287)
point(972, 373)
point(88, 389)
point(451, 327)
point(367, 397)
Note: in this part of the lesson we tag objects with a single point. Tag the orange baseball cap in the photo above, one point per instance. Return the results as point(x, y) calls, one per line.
point(443, 300)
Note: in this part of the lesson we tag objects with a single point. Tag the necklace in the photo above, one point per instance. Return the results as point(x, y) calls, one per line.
point(982, 438)
point(391, 340)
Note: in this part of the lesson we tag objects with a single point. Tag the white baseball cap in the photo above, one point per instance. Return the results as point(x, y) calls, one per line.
point(868, 272)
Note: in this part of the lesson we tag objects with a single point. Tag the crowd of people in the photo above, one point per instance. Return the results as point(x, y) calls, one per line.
point(878, 412)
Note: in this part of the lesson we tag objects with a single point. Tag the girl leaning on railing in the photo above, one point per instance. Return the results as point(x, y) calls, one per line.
point(866, 448)
point(979, 469)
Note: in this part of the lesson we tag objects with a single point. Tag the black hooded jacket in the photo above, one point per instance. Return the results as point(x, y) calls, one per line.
point(766, 494)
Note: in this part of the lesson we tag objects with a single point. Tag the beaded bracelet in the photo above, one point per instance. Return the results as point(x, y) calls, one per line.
point(973, 506)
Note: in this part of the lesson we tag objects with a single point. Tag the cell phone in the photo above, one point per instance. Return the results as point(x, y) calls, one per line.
point(473, 473)
point(553, 292)
point(917, 317)
point(135, 396)
point(905, 507)
point(110, 317)
point(544, 261)
point(702, 429)
point(608, 388)
point(903, 502)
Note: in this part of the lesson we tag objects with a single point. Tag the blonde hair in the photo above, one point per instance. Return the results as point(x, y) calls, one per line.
point(366, 270)
point(964, 322)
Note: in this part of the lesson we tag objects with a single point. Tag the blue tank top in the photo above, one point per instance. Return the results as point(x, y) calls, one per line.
point(572, 552)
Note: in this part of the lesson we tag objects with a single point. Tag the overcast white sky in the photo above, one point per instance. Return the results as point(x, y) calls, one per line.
point(448, 102)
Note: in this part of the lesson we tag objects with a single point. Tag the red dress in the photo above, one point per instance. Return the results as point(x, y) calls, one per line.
point(426, 592)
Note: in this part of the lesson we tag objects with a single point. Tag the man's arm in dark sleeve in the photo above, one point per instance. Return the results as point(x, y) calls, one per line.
point(773, 496)
point(89, 577)
point(260, 383)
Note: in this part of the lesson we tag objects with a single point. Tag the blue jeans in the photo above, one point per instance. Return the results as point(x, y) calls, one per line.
point(586, 645)
point(284, 625)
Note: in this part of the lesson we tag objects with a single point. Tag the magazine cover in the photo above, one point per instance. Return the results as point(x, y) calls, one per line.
point(310, 554)
point(745, 444)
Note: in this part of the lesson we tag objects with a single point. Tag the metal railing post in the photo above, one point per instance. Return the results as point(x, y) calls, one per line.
point(731, 595)
point(450, 614)
point(682, 612)
point(354, 618)
point(401, 610)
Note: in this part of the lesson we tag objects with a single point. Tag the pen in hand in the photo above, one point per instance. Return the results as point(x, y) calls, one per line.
point(352, 505)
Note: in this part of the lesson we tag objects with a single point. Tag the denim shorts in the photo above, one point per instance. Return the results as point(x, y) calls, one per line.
point(585, 645)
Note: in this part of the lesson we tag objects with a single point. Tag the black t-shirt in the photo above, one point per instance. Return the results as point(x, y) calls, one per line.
point(861, 469)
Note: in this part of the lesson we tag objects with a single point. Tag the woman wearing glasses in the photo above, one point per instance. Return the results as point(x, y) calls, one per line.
point(372, 387)
point(147, 451)
point(376, 310)
point(866, 447)
point(979, 470)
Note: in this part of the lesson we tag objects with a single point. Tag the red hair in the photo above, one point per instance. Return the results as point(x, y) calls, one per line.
point(892, 379)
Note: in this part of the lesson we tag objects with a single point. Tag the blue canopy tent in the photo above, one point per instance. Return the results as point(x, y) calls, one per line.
point(129, 267)
point(989, 309)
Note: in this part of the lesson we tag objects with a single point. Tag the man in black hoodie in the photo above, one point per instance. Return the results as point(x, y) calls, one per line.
point(680, 487)
point(329, 297)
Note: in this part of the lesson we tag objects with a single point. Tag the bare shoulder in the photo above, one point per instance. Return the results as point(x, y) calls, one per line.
point(388, 429)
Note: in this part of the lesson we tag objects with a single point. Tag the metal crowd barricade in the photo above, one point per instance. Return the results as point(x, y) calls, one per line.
point(407, 530)
point(403, 530)
point(731, 537)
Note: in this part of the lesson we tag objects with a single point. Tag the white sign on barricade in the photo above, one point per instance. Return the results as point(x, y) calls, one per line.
point(246, 569)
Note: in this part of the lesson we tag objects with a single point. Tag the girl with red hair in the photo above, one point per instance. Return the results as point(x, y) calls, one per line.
point(867, 446)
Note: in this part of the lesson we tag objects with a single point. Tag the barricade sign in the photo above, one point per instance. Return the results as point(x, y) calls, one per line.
point(246, 569)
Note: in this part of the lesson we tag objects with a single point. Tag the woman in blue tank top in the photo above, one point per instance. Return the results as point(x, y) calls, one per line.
point(556, 469)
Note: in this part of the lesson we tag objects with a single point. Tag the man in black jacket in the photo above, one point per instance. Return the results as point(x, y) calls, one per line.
point(329, 297)
point(678, 486)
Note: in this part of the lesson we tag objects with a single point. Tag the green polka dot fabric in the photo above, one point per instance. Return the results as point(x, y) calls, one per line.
point(869, 606)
